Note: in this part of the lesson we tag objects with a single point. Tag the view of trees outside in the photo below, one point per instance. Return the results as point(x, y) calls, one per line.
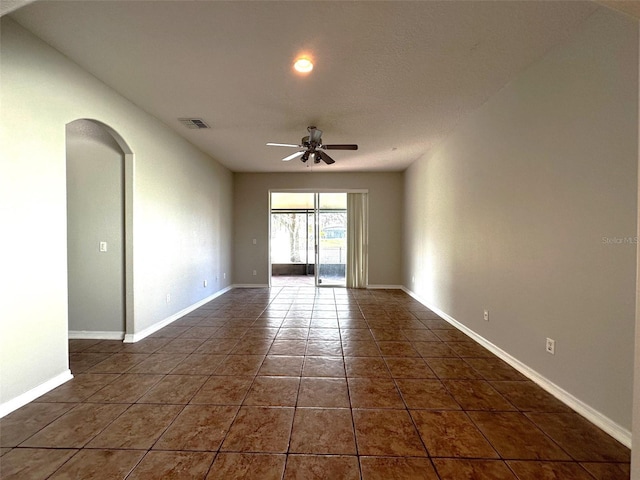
point(290, 232)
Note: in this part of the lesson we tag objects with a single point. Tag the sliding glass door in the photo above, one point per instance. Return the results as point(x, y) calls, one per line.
point(309, 237)
point(331, 258)
point(293, 228)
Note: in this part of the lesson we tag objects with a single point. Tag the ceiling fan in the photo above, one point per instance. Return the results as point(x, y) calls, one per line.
point(312, 145)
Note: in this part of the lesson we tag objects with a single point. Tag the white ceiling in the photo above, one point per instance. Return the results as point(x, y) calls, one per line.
point(394, 77)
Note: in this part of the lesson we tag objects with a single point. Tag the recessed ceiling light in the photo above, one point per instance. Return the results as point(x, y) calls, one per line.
point(303, 65)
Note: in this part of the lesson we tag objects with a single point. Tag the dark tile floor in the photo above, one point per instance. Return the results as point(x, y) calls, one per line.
point(302, 383)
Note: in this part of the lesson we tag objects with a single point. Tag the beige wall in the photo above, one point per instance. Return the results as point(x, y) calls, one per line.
point(182, 211)
point(635, 452)
point(251, 219)
point(529, 210)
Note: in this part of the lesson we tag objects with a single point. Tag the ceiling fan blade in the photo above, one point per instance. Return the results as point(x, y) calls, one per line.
point(340, 147)
point(292, 156)
point(315, 135)
point(283, 145)
point(326, 158)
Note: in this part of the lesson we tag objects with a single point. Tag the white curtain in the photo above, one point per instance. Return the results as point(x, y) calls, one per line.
point(358, 240)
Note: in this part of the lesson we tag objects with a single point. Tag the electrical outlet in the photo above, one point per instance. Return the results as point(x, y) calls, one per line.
point(255, 273)
point(103, 246)
point(486, 315)
point(168, 298)
point(224, 275)
point(551, 346)
point(204, 284)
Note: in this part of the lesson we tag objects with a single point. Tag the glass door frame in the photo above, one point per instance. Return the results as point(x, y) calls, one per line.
point(309, 260)
point(321, 282)
point(315, 191)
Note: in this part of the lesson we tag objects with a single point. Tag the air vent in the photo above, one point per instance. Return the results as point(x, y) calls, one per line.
point(194, 123)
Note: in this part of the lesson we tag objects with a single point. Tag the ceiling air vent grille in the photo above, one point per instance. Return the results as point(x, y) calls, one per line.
point(194, 123)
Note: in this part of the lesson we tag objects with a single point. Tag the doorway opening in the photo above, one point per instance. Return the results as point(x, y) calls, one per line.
point(99, 232)
point(308, 240)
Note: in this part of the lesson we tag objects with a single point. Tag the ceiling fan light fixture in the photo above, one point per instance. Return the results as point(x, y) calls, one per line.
point(303, 65)
point(305, 156)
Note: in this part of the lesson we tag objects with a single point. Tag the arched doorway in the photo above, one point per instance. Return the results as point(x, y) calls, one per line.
point(99, 240)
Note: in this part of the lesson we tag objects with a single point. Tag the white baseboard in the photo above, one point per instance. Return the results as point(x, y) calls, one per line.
point(603, 422)
point(29, 396)
point(136, 337)
point(95, 335)
point(371, 287)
